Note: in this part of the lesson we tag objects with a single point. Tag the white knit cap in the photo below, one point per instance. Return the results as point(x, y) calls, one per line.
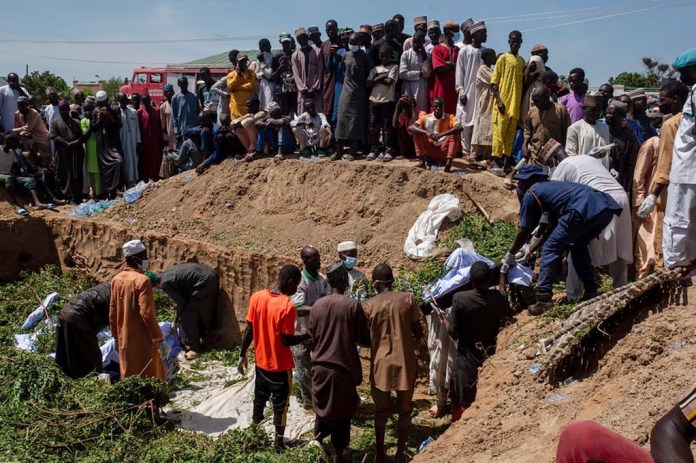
point(133, 247)
point(102, 96)
point(347, 246)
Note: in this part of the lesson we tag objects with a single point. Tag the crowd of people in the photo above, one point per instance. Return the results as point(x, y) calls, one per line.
point(375, 90)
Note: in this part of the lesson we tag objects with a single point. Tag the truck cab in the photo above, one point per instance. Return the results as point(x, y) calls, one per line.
point(153, 80)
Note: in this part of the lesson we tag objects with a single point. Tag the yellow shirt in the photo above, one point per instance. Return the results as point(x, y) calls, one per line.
point(242, 87)
point(507, 75)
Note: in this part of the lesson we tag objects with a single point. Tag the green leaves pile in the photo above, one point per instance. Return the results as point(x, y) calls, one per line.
point(490, 240)
point(47, 417)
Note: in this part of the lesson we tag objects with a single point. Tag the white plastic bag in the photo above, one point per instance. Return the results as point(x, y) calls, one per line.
point(421, 238)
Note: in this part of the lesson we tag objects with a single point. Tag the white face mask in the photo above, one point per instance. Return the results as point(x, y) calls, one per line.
point(354, 48)
point(144, 264)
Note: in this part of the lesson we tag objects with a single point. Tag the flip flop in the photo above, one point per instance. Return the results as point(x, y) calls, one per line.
point(21, 211)
point(50, 206)
point(508, 184)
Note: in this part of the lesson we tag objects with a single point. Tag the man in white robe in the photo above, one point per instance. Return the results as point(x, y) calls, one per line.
point(414, 70)
point(8, 101)
point(262, 68)
point(468, 63)
point(130, 139)
point(589, 132)
point(678, 243)
point(613, 248)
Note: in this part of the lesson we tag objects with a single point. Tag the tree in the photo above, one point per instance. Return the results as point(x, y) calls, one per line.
point(652, 75)
point(37, 82)
point(112, 85)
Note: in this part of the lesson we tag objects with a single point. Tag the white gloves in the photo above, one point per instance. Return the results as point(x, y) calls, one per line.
point(164, 349)
point(242, 364)
point(508, 262)
point(523, 255)
point(647, 206)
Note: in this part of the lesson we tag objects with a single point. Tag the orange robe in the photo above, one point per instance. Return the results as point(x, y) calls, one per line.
point(133, 321)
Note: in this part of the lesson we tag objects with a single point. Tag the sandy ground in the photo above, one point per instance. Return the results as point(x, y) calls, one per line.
point(279, 208)
point(643, 375)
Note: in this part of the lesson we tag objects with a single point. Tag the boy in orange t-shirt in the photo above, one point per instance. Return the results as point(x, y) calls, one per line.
point(434, 136)
point(271, 326)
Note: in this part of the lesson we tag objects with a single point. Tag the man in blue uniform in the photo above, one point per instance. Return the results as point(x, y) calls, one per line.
point(576, 215)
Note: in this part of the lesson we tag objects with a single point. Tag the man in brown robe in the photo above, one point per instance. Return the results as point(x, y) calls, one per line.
point(133, 318)
point(394, 320)
point(336, 323)
point(546, 121)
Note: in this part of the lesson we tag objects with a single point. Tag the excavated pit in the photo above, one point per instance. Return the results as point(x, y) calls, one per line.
point(95, 247)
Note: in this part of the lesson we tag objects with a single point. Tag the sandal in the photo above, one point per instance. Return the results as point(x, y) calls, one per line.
point(436, 412)
point(508, 184)
point(21, 211)
point(278, 158)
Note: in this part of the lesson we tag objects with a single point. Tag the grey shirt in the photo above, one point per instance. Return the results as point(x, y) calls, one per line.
point(308, 292)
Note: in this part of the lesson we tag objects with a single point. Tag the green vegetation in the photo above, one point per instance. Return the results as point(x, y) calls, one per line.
point(19, 299)
point(48, 417)
point(489, 240)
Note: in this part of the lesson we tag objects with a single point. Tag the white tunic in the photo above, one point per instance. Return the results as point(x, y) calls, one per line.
point(583, 137)
point(263, 74)
point(616, 240)
point(130, 137)
point(413, 74)
point(468, 63)
point(684, 152)
point(8, 106)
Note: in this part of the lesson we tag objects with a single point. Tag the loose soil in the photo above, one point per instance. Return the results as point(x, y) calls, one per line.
point(279, 208)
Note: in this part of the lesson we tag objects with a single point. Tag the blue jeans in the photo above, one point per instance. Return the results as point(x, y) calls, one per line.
point(572, 234)
point(275, 138)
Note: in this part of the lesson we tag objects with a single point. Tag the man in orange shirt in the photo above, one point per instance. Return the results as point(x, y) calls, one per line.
point(133, 317)
point(436, 135)
point(271, 326)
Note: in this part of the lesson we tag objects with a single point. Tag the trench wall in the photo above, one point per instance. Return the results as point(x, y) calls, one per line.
point(95, 247)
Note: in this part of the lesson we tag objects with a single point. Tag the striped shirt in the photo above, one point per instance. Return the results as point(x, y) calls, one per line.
point(688, 406)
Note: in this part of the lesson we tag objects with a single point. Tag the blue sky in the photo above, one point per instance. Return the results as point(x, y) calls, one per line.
point(602, 47)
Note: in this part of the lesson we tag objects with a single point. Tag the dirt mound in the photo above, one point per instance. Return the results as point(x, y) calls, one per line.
point(278, 208)
point(516, 419)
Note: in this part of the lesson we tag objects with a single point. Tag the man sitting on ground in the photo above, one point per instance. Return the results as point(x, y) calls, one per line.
point(14, 171)
point(271, 326)
point(274, 134)
point(245, 127)
point(436, 136)
point(477, 316)
point(199, 144)
point(312, 130)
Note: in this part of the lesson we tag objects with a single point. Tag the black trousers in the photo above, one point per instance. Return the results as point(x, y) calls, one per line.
point(77, 350)
point(381, 115)
point(463, 379)
point(276, 386)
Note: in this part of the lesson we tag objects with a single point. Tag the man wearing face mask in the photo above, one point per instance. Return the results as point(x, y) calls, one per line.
point(133, 317)
point(348, 254)
point(312, 287)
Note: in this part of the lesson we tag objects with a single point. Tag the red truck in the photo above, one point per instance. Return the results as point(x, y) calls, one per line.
point(153, 80)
